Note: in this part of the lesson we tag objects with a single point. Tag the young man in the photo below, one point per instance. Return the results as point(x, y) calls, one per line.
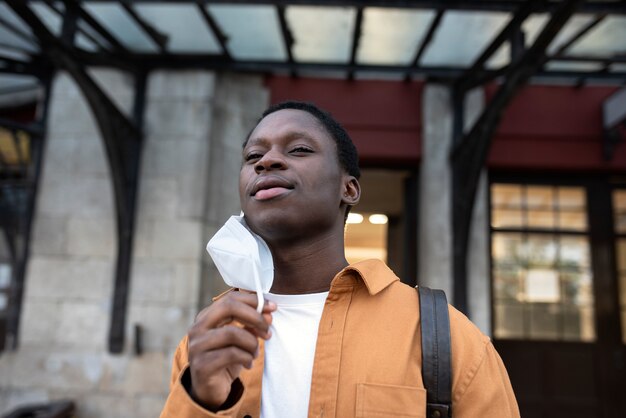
point(334, 340)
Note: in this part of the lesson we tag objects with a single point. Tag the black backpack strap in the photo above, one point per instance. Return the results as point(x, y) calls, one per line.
point(436, 361)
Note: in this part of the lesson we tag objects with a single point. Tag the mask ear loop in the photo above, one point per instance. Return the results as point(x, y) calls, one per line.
point(259, 291)
point(257, 284)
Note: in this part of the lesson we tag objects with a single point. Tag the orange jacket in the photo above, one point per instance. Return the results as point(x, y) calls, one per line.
point(368, 359)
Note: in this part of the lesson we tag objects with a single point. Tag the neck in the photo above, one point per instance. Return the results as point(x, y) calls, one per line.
point(309, 266)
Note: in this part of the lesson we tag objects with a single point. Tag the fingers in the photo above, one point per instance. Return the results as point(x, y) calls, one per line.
point(240, 307)
point(215, 361)
point(219, 347)
point(227, 336)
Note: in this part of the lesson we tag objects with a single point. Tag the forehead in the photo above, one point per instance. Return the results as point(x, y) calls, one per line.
point(287, 123)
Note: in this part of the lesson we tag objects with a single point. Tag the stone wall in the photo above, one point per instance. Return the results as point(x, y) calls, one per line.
point(239, 101)
point(194, 128)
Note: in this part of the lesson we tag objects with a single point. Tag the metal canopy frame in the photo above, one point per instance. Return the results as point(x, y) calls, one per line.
point(122, 135)
point(119, 56)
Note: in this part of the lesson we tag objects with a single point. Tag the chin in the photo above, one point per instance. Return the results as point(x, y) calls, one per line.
point(271, 224)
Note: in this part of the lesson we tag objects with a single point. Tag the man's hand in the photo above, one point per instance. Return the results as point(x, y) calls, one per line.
point(219, 348)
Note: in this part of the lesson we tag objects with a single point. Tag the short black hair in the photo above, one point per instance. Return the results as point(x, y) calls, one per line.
point(346, 151)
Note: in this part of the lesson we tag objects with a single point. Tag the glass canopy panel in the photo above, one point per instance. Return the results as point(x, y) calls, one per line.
point(535, 23)
point(618, 68)
point(10, 83)
point(321, 33)
point(49, 17)
point(183, 24)
point(462, 37)
point(115, 19)
point(253, 31)
point(501, 57)
point(8, 37)
point(606, 39)
point(86, 42)
point(392, 36)
point(573, 66)
point(13, 54)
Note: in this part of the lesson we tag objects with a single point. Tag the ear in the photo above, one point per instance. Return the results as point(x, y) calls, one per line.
point(351, 191)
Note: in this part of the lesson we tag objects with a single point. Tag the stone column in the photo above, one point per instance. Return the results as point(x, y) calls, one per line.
point(435, 219)
point(478, 275)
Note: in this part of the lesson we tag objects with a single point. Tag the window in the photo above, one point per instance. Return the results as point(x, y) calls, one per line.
point(541, 268)
point(619, 222)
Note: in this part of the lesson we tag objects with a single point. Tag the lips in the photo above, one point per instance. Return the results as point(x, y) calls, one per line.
point(269, 187)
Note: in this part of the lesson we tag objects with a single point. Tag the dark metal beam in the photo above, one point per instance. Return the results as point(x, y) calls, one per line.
point(356, 39)
point(101, 30)
point(70, 24)
point(122, 140)
point(476, 72)
point(157, 37)
point(31, 128)
point(615, 7)
point(12, 66)
point(53, 6)
point(517, 40)
point(222, 39)
point(287, 37)
point(583, 31)
point(219, 63)
point(432, 29)
point(610, 139)
point(126, 222)
point(469, 156)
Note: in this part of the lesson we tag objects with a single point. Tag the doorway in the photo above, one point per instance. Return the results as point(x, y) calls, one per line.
point(384, 223)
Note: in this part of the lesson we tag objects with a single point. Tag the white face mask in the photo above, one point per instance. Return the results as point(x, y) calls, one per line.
point(243, 259)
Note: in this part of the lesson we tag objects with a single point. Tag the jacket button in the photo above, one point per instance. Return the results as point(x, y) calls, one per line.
point(436, 414)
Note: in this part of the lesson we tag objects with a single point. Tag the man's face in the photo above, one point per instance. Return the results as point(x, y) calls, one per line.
point(291, 182)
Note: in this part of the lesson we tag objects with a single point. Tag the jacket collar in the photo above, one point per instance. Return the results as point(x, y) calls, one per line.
point(374, 273)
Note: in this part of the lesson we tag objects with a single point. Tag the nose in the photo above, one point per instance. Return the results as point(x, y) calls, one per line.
point(271, 160)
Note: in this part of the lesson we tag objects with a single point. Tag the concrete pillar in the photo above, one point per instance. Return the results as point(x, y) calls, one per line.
point(435, 219)
point(478, 275)
point(435, 202)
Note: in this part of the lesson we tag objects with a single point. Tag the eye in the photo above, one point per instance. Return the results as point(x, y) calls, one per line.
point(301, 149)
point(253, 156)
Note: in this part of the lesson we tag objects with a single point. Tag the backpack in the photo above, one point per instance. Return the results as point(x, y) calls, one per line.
point(436, 360)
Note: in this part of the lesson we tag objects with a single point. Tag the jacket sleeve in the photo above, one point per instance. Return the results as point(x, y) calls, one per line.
point(485, 389)
point(179, 403)
point(480, 383)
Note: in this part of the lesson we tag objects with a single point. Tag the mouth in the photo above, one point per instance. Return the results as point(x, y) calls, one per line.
point(270, 187)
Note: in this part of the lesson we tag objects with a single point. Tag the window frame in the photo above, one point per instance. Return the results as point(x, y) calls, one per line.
point(602, 241)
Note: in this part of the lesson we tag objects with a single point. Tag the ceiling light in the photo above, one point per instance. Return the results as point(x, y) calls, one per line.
point(378, 219)
point(354, 218)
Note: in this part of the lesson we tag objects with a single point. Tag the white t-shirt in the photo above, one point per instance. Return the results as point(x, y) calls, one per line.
point(289, 355)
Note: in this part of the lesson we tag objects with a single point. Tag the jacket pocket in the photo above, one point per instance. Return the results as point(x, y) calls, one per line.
point(377, 401)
